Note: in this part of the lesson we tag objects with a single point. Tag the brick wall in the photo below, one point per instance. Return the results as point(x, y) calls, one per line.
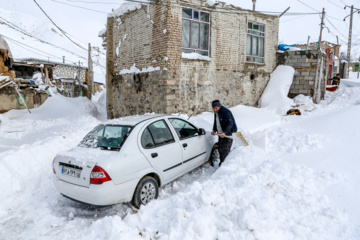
point(183, 84)
point(304, 63)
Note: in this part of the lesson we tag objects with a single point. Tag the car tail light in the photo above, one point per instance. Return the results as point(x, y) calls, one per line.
point(54, 166)
point(99, 176)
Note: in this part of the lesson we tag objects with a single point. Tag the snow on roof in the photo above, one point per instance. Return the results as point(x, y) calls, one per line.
point(125, 8)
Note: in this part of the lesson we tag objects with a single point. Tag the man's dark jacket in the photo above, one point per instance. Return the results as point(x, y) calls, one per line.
point(227, 121)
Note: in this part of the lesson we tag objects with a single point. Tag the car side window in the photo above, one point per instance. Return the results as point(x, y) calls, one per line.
point(156, 134)
point(183, 129)
point(146, 139)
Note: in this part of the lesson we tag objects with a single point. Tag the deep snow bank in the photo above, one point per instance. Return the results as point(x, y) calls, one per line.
point(275, 93)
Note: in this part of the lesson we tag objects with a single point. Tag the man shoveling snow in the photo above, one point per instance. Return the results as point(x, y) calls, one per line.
point(224, 126)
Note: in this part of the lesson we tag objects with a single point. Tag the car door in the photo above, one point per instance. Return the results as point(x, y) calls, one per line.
point(160, 148)
point(194, 145)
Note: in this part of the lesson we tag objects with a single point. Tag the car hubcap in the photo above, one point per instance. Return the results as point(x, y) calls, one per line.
point(147, 193)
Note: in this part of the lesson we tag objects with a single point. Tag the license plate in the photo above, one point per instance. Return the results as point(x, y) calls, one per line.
point(70, 172)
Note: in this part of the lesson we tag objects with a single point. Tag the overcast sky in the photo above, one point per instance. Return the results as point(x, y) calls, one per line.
point(85, 24)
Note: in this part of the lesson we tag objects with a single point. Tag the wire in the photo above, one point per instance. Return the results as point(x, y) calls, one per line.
point(93, 10)
point(292, 19)
point(174, 4)
point(23, 31)
point(334, 4)
point(23, 44)
point(60, 28)
point(117, 3)
point(335, 27)
point(309, 6)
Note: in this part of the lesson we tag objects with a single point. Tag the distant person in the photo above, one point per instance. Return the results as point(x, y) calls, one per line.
point(336, 80)
point(224, 125)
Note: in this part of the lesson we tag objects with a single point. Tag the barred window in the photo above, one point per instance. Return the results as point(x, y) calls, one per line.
point(195, 31)
point(255, 43)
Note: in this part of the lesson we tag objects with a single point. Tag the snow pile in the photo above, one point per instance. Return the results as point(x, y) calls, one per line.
point(297, 180)
point(195, 56)
point(275, 93)
point(134, 69)
point(304, 103)
point(125, 8)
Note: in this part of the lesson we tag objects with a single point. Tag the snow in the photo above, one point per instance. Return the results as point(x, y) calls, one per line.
point(134, 69)
point(30, 37)
point(195, 56)
point(275, 94)
point(297, 180)
point(125, 8)
point(4, 78)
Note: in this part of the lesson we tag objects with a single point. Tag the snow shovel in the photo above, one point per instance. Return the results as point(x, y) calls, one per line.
point(238, 136)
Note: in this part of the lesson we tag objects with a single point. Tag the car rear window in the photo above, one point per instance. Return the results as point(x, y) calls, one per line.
point(107, 137)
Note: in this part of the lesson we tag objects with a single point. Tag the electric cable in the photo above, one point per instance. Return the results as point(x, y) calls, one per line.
point(60, 28)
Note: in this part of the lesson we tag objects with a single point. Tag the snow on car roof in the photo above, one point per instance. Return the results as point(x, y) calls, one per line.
point(132, 120)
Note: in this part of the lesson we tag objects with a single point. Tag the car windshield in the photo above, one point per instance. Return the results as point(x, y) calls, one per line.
point(106, 137)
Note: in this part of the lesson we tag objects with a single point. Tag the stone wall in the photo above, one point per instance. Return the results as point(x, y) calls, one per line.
point(151, 37)
point(67, 71)
point(304, 63)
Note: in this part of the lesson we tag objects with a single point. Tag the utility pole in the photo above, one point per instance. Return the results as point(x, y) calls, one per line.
point(89, 77)
point(349, 40)
point(317, 84)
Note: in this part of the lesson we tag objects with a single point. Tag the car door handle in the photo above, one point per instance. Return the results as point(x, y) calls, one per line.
point(154, 155)
point(184, 145)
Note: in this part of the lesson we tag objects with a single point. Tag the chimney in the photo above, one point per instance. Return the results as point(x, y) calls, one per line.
point(254, 3)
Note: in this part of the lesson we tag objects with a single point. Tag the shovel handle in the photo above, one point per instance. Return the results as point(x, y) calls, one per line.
point(226, 136)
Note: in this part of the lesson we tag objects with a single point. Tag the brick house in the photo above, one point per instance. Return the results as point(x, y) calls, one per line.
point(177, 56)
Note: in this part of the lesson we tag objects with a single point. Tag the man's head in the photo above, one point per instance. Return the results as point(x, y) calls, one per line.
point(337, 75)
point(216, 105)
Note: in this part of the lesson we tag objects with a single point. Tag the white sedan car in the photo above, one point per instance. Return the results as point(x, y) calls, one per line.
point(128, 159)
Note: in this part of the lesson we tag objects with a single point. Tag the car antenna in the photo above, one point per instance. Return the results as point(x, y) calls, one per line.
point(195, 110)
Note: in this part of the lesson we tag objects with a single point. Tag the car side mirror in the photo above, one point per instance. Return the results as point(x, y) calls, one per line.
point(202, 131)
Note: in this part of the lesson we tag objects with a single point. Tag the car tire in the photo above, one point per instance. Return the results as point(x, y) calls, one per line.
point(146, 190)
point(213, 155)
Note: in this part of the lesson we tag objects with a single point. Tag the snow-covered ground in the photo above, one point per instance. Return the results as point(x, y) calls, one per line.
point(298, 179)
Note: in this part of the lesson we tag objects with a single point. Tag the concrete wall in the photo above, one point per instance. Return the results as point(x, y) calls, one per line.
point(304, 63)
point(182, 84)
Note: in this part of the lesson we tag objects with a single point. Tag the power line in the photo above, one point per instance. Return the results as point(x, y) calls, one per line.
point(60, 28)
point(309, 6)
point(174, 3)
point(334, 4)
point(79, 7)
point(23, 44)
point(335, 27)
point(23, 31)
point(93, 2)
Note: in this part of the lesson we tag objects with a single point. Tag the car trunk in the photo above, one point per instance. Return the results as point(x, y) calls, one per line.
point(75, 166)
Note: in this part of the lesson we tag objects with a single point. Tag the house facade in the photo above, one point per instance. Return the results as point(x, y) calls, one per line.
point(178, 56)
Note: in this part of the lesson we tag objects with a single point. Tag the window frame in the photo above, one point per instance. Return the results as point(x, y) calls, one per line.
point(255, 33)
point(152, 136)
point(192, 19)
point(197, 130)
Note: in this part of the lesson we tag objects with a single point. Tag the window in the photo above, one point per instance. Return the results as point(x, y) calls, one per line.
point(195, 31)
point(107, 137)
point(183, 129)
point(255, 43)
point(156, 134)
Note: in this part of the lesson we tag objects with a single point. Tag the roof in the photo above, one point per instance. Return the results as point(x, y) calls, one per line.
point(132, 120)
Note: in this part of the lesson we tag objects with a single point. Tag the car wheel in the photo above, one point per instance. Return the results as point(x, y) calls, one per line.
point(214, 156)
point(146, 190)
